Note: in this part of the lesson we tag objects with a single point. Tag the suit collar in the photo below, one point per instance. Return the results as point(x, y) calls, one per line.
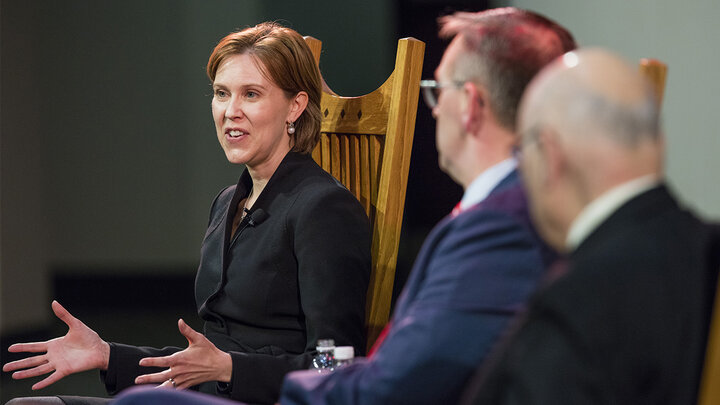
point(603, 206)
point(647, 204)
point(487, 182)
point(287, 167)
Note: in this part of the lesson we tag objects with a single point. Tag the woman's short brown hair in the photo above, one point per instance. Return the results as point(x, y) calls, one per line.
point(287, 61)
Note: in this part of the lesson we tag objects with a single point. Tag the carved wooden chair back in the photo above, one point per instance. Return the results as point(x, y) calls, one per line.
point(655, 71)
point(366, 143)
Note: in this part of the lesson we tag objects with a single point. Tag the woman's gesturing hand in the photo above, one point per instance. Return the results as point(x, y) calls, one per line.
point(79, 350)
point(202, 361)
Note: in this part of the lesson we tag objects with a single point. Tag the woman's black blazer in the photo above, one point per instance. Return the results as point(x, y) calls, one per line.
point(297, 270)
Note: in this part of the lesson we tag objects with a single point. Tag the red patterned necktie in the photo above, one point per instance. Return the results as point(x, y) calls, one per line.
point(456, 210)
point(379, 340)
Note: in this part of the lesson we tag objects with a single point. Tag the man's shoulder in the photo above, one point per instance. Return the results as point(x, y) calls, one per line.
point(510, 200)
point(488, 247)
point(648, 250)
point(651, 225)
point(491, 243)
point(503, 209)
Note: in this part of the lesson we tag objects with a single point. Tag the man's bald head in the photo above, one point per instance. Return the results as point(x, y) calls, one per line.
point(589, 122)
point(594, 92)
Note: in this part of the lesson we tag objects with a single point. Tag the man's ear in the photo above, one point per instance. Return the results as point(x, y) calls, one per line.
point(474, 107)
point(553, 155)
point(297, 106)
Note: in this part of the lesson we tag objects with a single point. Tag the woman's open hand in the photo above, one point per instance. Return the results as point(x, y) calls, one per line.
point(202, 361)
point(79, 350)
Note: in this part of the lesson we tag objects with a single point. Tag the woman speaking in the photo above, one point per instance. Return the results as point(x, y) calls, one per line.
point(286, 256)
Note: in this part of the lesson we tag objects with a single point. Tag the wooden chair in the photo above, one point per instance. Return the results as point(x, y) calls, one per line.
point(655, 71)
point(710, 383)
point(366, 143)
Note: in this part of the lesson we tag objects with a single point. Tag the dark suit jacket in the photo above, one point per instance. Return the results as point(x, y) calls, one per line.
point(473, 274)
point(627, 323)
point(296, 271)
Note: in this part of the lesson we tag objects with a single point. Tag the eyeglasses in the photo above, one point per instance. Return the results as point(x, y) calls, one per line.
point(431, 90)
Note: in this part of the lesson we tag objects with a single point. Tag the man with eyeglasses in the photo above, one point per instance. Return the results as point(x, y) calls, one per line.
point(479, 265)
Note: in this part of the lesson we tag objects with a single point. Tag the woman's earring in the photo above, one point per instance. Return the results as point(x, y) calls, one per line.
point(291, 128)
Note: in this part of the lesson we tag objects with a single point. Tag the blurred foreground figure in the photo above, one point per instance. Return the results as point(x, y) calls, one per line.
point(626, 321)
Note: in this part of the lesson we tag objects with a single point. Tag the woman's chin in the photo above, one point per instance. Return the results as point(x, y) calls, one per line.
point(235, 158)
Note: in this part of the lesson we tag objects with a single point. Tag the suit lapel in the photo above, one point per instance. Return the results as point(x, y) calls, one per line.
point(417, 274)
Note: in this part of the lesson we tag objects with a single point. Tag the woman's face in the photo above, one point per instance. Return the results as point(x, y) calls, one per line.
point(250, 114)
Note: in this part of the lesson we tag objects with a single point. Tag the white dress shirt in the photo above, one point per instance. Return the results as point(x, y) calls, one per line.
point(483, 184)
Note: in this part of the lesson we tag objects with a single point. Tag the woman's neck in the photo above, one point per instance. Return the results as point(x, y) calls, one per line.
point(257, 188)
point(260, 177)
